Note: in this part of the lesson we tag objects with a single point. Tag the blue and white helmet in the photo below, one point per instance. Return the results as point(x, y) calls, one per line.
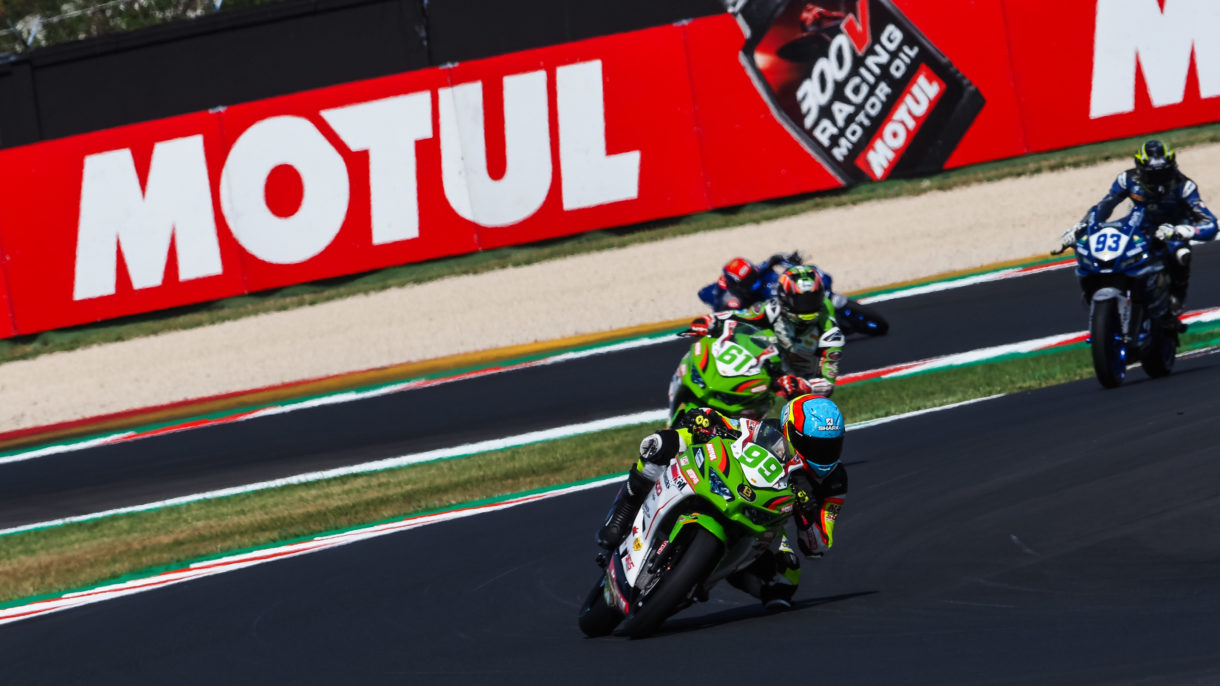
point(813, 427)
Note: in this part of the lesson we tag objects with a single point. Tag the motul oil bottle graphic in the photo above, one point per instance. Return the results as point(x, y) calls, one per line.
point(857, 84)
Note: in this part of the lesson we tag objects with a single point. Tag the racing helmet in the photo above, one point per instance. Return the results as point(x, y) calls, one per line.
point(743, 280)
point(801, 294)
point(1156, 166)
point(813, 428)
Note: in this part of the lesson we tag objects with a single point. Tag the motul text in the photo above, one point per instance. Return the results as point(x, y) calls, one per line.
point(175, 205)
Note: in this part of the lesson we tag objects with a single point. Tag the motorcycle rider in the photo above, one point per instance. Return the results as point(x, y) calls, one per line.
point(743, 283)
point(1174, 213)
point(807, 438)
point(803, 319)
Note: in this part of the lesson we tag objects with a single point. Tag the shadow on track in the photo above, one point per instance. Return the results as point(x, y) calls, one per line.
point(680, 624)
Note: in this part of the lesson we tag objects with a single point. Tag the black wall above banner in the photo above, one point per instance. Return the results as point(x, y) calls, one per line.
point(469, 29)
point(262, 52)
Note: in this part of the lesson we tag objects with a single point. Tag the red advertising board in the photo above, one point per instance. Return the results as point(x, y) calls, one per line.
point(781, 98)
point(1106, 69)
point(6, 311)
point(338, 181)
point(351, 178)
point(747, 152)
point(623, 146)
point(972, 35)
point(93, 240)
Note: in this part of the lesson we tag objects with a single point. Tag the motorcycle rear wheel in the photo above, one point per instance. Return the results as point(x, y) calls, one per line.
point(596, 617)
point(857, 318)
point(1162, 351)
point(685, 573)
point(1109, 350)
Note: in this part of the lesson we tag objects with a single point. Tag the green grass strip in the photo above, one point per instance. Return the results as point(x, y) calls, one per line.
point(50, 561)
point(303, 295)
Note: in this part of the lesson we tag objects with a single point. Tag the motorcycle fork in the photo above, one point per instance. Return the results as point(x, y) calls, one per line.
point(1124, 315)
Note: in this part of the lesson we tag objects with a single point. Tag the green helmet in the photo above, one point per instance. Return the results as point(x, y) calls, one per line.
point(801, 294)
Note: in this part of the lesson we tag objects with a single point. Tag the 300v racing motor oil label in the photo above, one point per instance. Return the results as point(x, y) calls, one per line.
point(857, 84)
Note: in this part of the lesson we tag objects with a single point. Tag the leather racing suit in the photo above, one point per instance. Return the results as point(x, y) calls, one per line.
point(1180, 204)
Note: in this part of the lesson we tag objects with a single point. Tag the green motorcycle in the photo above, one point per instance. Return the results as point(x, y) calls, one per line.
point(731, 373)
point(715, 509)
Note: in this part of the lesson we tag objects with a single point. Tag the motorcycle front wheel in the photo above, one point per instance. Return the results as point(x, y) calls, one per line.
point(1109, 349)
point(686, 571)
point(597, 618)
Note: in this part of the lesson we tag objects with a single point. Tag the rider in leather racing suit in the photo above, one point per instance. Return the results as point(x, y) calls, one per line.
point(803, 319)
point(807, 438)
point(1173, 211)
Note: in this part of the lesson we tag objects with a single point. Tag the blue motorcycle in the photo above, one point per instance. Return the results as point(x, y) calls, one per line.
point(1125, 281)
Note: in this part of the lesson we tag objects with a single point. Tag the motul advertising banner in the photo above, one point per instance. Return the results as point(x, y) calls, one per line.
point(857, 84)
point(351, 178)
point(809, 96)
point(770, 99)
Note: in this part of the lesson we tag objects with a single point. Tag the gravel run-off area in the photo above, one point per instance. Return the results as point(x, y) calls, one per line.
point(862, 246)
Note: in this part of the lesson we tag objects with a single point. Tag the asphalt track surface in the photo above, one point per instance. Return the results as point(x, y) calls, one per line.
point(1062, 536)
point(200, 460)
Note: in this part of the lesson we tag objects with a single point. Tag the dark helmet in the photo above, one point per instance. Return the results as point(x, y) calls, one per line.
point(801, 294)
point(813, 427)
point(1156, 166)
point(743, 281)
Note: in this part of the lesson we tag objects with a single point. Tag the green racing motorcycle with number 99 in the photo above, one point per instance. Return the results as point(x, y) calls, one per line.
point(716, 507)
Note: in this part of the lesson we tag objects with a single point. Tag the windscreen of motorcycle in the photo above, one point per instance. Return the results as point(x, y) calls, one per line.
point(761, 467)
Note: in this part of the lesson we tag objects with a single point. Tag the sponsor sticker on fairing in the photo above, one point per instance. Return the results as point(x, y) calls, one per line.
point(691, 476)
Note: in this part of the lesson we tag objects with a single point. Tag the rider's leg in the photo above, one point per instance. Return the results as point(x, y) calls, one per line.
point(772, 578)
point(1179, 274)
point(655, 453)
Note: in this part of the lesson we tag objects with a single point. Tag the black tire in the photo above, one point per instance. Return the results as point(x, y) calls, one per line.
point(864, 319)
point(1162, 351)
point(596, 617)
point(1109, 350)
point(695, 563)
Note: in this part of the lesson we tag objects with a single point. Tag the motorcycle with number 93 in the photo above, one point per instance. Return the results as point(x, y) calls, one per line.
point(1124, 277)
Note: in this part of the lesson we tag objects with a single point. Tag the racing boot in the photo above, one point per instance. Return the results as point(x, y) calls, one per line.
point(626, 504)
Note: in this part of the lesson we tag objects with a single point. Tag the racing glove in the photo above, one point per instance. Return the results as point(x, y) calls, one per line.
point(1181, 232)
point(700, 326)
point(790, 386)
point(1069, 236)
point(809, 536)
point(822, 387)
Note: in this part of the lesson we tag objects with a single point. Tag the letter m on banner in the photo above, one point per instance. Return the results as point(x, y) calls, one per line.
point(117, 214)
point(1133, 34)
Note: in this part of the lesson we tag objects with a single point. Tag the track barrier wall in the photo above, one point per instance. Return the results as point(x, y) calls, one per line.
point(566, 127)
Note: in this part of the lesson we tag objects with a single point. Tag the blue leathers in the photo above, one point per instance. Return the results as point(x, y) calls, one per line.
point(1179, 204)
point(1173, 212)
point(717, 295)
